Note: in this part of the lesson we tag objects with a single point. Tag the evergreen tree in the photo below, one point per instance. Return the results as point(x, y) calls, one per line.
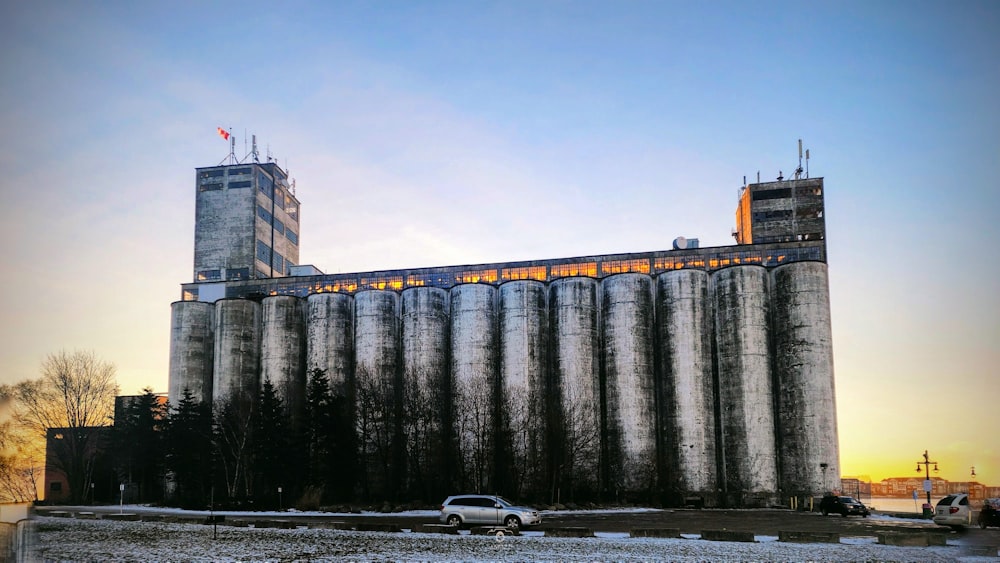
point(189, 451)
point(138, 449)
point(330, 440)
point(272, 451)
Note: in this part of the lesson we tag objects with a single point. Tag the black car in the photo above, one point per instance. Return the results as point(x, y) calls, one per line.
point(845, 506)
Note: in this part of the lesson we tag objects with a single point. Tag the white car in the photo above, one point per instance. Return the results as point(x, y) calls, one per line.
point(954, 511)
point(463, 510)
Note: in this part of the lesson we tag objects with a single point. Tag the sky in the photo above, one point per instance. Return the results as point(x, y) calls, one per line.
point(443, 133)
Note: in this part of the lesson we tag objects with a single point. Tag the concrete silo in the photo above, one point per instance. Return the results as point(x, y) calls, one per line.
point(523, 364)
point(687, 390)
point(474, 379)
point(282, 351)
point(237, 352)
point(803, 365)
point(630, 391)
point(192, 342)
point(426, 410)
point(330, 339)
point(376, 349)
point(745, 386)
point(574, 312)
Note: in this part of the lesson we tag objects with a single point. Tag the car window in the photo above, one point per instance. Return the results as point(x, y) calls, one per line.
point(964, 501)
point(946, 501)
point(463, 501)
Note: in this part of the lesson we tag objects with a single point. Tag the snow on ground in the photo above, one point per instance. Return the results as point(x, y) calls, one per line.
point(63, 539)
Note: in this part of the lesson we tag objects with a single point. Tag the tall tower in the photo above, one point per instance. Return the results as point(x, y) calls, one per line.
point(782, 211)
point(246, 223)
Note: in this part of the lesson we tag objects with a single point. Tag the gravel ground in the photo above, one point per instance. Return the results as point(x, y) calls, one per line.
point(62, 539)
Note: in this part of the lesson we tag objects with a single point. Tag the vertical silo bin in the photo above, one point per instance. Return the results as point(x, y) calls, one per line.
point(803, 363)
point(687, 391)
point(237, 352)
point(426, 420)
point(330, 339)
point(282, 351)
point(576, 444)
point(523, 361)
point(376, 349)
point(474, 374)
point(745, 385)
point(630, 390)
point(192, 342)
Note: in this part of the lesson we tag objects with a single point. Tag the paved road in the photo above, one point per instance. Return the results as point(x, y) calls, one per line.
point(761, 522)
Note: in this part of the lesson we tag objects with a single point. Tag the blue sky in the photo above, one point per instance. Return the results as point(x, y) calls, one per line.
point(437, 133)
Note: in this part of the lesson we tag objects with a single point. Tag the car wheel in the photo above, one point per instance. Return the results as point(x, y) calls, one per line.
point(826, 512)
point(844, 514)
point(512, 522)
point(982, 524)
point(454, 520)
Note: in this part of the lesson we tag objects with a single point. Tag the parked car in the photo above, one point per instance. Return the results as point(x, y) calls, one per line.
point(990, 514)
point(845, 506)
point(490, 510)
point(954, 511)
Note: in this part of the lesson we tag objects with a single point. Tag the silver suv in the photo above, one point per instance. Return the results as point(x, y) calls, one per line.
point(954, 511)
point(462, 510)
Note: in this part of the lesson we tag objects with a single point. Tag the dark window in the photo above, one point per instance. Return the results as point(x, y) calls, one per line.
point(279, 226)
point(238, 273)
point(279, 262)
point(238, 171)
point(266, 185)
point(213, 173)
point(210, 187)
point(772, 194)
point(263, 252)
point(294, 238)
point(240, 184)
point(264, 214)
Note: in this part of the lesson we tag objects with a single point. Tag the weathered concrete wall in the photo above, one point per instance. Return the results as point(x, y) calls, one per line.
point(224, 227)
point(192, 344)
point(283, 349)
point(627, 330)
point(523, 368)
point(687, 391)
point(330, 339)
point(474, 371)
point(236, 368)
point(426, 402)
point(376, 345)
point(574, 311)
point(745, 385)
point(803, 365)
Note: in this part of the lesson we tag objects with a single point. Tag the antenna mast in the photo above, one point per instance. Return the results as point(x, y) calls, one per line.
point(798, 171)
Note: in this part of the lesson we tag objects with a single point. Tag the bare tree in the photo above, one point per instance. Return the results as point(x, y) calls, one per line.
point(76, 393)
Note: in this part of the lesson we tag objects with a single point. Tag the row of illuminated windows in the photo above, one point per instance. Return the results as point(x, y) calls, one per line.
point(445, 279)
point(232, 274)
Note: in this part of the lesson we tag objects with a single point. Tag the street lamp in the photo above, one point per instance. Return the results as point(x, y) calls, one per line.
point(927, 470)
point(973, 472)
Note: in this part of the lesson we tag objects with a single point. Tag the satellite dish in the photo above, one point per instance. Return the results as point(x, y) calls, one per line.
point(680, 243)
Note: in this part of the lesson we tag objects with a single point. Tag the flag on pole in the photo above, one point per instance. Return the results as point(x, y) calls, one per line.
point(223, 133)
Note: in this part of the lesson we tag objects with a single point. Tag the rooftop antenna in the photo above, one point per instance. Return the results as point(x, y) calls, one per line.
point(228, 135)
point(798, 171)
point(807, 163)
point(256, 155)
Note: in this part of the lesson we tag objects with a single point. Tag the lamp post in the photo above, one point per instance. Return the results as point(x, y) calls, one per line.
point(927, 471)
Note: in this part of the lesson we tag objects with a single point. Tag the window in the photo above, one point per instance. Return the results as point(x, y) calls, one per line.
point(278, 262)
point(214, 186)
point(294, 238)
point(623, 266)
point(266, 185)
point(279, 198)
point(209, 275)
point(238, 171)
point(526, 273)
point(579, 269)
point(475, 276)
point(291, 208)
point(780, 193)
point(263, 252)
point(264, 214)
point(240, 184)
point(217, 173)
point(279, 226)
point(238, 273)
